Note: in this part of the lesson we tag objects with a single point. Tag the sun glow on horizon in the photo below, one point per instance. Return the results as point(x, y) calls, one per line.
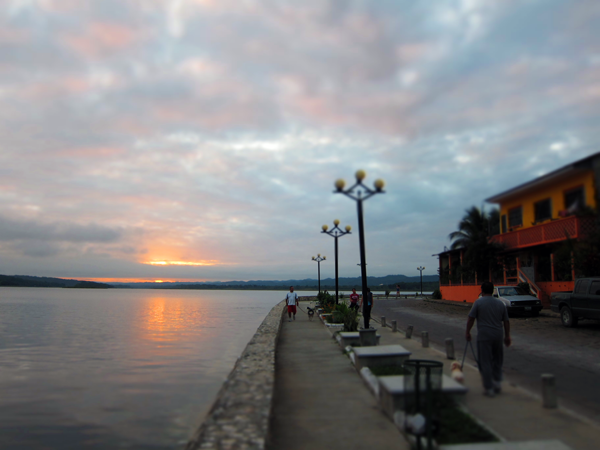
point(182, 263)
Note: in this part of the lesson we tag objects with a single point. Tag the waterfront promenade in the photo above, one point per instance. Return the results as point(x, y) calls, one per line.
point(294, 388)
point(320, 401)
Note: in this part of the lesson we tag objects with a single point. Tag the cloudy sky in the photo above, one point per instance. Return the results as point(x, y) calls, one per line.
point(200, 139)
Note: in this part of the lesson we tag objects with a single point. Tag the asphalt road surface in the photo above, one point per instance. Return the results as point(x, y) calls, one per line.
point(540, 345)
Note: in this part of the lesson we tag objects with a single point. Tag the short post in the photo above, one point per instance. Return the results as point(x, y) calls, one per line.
point(549, 391)
point(425, 338)
point(450, 348)
point(409, 331)
point(383, 324)
point(394, 326)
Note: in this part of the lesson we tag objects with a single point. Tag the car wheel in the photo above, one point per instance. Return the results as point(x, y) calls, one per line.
point(567, 318)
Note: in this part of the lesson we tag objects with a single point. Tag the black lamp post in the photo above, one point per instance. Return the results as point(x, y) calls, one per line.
point(362, 193)
point(336, 232)
point(318, 259)
point(421, 269)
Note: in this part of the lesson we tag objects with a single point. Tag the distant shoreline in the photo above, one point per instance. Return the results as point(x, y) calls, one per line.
point(377, 284)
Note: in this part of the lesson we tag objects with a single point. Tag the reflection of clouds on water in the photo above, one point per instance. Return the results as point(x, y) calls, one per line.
point(122, 368)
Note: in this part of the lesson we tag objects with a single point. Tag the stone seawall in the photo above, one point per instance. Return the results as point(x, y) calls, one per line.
point(239, 418)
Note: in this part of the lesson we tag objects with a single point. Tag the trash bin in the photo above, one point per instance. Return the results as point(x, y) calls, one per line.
point(422, 396)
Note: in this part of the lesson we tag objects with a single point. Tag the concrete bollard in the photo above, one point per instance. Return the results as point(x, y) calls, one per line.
point(450, 348)
point(549, 391)
point(383, 324)
point(409, 331)
point(394, 326)
point(425, 338)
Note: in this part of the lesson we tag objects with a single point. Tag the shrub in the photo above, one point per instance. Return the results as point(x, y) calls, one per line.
point(349, 317)
point(436, 294)
point(327, 301)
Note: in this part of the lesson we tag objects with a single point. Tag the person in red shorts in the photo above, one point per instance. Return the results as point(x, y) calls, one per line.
point(292, 302)
point(354, 297)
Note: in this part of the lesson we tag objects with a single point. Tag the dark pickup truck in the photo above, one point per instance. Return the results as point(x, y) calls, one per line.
point(582, 303)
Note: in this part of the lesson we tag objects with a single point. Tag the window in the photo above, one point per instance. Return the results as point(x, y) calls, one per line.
point(574, 199)
point(515, 217)
point(582, 287)
point(595, 289)
point(543, 210)
point(504, 226)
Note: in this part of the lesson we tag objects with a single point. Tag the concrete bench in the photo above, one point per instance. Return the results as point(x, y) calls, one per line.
point(381, 355)
point(391, 392)
point(352, 338)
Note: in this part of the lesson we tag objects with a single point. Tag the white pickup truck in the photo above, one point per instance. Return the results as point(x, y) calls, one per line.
point(582, 303)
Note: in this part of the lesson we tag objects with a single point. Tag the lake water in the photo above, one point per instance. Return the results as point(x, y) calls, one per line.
point(117, 369)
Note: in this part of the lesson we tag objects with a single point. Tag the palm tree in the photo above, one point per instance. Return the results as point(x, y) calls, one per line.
point(474, 231)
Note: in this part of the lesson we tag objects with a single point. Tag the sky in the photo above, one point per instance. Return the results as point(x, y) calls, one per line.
point(200, 140)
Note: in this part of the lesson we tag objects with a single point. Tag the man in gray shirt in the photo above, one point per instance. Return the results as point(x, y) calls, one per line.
point(492, 318)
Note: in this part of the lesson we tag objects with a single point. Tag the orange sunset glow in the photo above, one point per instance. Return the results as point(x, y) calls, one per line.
point(183, 263)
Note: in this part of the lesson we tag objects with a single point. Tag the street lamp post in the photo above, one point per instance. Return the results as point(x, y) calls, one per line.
point(421, 269)
point(318, 259)
point(362, 193)
point(336, 232)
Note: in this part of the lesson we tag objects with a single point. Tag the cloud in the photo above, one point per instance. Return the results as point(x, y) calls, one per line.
point(194, 131)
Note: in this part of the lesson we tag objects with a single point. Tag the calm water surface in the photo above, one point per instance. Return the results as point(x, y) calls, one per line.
point(111, 369)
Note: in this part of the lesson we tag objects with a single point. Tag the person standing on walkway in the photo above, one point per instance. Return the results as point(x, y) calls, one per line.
point(354, 297)
point(397, 290)
point(367, 305)
point(292, 302)
point(492, 318)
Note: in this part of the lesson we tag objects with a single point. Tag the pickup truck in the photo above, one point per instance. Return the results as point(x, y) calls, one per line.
point(582, 303)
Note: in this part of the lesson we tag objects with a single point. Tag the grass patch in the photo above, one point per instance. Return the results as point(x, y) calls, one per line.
point(383, 371)
point(458, 427)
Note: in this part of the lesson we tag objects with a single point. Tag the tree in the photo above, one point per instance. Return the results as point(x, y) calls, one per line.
point(474, 231)
point(586, 252)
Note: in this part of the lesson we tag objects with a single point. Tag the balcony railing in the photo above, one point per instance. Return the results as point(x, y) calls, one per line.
point(558, 230)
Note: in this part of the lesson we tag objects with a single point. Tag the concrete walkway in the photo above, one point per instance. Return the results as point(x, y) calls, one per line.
point(320, 401)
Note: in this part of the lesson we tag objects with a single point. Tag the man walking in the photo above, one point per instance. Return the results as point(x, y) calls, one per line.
point(491, 317)
point(292, 302)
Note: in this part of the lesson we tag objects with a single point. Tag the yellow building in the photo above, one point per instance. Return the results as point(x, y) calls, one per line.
point(535, 219)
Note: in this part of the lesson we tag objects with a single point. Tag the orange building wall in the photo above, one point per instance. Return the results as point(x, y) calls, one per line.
point(556, 193)
point(468, 293)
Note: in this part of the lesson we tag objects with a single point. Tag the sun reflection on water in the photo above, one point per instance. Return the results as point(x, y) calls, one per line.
point(167, 320)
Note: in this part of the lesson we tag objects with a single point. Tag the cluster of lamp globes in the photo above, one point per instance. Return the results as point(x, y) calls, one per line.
point(319, 256)
point(336, 223)
point(360, 175)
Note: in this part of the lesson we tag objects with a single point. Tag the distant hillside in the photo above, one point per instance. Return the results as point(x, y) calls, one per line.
point(430, 282)
point(29, 281)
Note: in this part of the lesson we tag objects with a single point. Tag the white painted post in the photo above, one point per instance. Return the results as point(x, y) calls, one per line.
point(409, 331)
point(383, 324)
point(450, 348)
point(549, 391)
point(425, 338)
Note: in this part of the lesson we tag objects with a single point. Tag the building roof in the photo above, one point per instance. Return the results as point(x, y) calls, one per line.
point(552, 177)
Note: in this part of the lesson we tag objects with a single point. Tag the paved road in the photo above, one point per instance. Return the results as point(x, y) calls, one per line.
point(540, 345)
